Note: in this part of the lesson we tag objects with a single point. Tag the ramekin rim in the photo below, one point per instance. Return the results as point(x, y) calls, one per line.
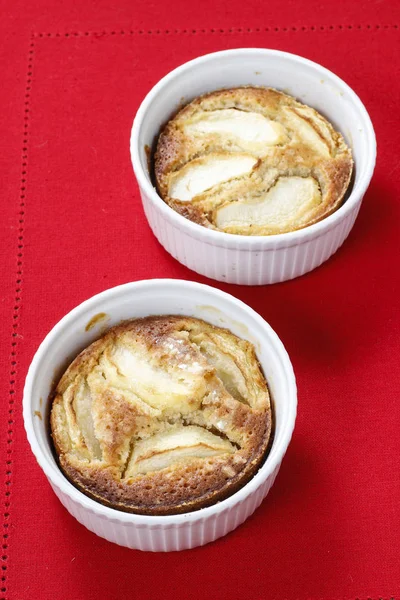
point(228, 240)
point(56, 477)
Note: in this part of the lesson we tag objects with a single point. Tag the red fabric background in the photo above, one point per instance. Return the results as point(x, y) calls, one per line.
point(73, 78)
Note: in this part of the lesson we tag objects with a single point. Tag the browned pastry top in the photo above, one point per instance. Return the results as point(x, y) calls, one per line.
point(252, 161)
point(162, 415)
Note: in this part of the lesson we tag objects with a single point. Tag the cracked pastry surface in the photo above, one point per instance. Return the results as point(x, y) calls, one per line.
point(162, 415)
point(251, 161)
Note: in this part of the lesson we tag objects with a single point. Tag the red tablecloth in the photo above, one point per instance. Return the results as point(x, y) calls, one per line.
point(72, 225)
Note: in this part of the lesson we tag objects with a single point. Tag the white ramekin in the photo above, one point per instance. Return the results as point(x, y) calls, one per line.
point(253, 260)
point(153, 297)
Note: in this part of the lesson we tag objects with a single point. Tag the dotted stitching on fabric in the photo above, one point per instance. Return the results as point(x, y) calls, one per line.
point(217, 30)
point(15, 324)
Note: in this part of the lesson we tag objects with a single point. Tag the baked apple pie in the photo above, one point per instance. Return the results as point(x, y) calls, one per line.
point(251, 161)
point(162, 415)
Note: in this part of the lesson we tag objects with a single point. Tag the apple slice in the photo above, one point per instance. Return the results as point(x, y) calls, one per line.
point(203, 173)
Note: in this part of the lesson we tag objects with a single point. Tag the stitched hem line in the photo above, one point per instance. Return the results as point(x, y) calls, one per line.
point(359, 27)
point(15, 326)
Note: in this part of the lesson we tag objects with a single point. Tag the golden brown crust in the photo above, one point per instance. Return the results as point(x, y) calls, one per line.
point(302, 144)
point(162, 415)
